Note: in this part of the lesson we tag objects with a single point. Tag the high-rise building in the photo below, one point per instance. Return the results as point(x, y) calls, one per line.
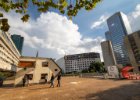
point(9, 55)
point(18, 40)
point(132, 43)
point(119, 27)
point(108, 54)
point(79, 62)
point(108, 36)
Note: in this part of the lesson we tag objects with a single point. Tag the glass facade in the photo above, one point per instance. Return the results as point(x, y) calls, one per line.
point(108, 35)
point(18, 40)
point(118, 28)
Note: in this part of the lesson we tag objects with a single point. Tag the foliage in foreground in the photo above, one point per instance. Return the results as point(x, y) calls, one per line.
point(71, 9)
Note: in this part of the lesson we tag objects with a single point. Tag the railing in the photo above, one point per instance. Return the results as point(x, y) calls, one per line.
point(91, 75)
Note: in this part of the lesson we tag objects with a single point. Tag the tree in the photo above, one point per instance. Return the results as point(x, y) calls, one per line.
point(85, 71)
point(64, 6)
point(96, 67)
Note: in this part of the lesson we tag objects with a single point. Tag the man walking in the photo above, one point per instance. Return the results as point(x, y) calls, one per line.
point(46, 78)
point(58, 79)
point(23, 81)
point(52, 80)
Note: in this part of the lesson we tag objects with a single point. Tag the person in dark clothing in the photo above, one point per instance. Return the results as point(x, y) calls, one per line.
point(23, 81)
point(58, 79)
point(46, 78)
point(52, 81)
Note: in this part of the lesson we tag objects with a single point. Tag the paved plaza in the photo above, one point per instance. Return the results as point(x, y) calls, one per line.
point(75, 88)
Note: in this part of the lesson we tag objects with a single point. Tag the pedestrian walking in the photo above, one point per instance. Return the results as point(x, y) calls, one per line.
point(46, 78)
point(59, 80)
point(27, 80)
point(52, 81)
point(23, 81)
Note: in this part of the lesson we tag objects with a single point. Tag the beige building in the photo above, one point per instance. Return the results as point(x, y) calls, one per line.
point(9, 55)
point(108, 54)
point(132, 43)
point(38, 69)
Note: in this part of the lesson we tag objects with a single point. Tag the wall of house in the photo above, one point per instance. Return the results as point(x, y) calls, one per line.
point(21, 73)
point(38, 70)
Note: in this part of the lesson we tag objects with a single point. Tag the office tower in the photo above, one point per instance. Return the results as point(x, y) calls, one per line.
point(119, 27)
point(18, 40)
point(79, 62)
point(108, 54)
point(108, 35)
point(132, 43)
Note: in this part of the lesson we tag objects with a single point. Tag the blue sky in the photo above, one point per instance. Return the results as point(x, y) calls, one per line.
point(54, 35)
point(84, 19)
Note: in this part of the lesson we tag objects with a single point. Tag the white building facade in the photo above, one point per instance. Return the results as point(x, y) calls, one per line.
point(9, 55)
point(79, 62)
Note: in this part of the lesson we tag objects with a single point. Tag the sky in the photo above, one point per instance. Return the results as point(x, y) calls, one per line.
point(53, 35)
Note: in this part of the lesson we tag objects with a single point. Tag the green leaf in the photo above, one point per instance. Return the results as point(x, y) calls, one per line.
point(25, 18)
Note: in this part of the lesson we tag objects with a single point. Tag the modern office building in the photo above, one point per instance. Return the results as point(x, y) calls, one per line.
point(132, 43)
point(37, 68)
point(9, 55)
point(18, 40)
point(108, 36)
point(108, 54)
point(119, 27)
point(79, 62)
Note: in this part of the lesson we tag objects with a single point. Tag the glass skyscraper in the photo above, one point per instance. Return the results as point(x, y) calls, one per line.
point(119, 27)
point(18, 41)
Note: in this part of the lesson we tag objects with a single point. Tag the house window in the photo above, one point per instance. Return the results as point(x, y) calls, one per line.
point(30, 76)
point(45, 64)
point(43, 76)
point(56, 69)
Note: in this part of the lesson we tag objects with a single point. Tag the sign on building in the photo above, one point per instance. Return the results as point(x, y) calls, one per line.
point(113, 71)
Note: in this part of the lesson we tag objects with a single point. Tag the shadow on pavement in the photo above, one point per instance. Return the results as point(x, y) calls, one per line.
point(125, 92)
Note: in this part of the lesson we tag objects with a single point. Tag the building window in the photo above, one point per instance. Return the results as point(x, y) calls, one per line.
point(30, 76)
point(43, 76)
point(45, 64)
point(55, 69)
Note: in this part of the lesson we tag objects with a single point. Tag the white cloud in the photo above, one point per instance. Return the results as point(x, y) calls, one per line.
point(100, 22)
point(136, 13)
point(134, 18)
point(55, 32)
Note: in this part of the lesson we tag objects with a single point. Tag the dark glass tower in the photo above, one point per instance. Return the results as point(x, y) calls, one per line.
point(119, 27)
point(18, 41)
